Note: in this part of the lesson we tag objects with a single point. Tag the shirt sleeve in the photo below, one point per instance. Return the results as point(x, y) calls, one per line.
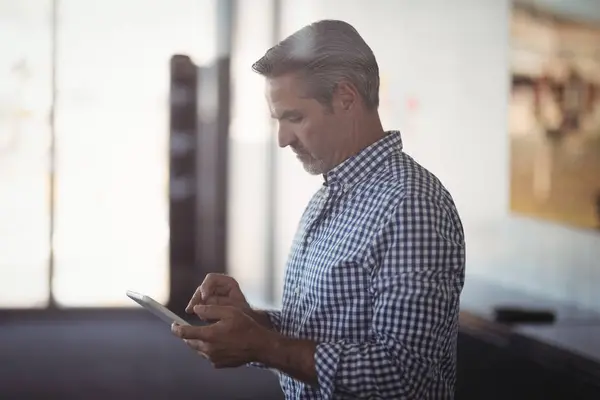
point(275, 318)
point(419, 258)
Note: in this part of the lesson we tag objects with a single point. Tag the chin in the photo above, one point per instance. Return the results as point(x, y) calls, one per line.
point(314, 168)
point(313, 171)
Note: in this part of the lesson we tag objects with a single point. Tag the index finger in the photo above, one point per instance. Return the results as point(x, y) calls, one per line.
point(213, 284)
point(195, 300)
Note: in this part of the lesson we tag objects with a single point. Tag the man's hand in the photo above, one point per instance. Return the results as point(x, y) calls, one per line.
point(223, 290)
point(235, 339)
point(218, 289)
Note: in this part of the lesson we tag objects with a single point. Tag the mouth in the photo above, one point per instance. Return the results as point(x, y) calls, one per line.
point(300, 154)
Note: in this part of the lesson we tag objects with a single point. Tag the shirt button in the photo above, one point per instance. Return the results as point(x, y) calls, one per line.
point(297, 290)
point(309, 240)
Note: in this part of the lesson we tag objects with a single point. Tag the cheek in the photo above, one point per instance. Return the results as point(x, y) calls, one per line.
point(302, 131)
point(310, 132)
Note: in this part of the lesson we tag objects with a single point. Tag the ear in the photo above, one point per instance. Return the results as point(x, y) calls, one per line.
point(346, 96)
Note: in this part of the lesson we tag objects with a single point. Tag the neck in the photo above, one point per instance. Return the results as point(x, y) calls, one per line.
point(366, 131)
point(369, 132)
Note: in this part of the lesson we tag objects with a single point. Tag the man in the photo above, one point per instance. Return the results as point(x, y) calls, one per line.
point(372, 286)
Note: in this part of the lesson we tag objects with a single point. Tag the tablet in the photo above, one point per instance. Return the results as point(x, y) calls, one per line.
point(156, 308)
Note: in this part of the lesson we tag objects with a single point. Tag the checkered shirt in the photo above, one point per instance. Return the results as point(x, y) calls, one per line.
point(374, 277)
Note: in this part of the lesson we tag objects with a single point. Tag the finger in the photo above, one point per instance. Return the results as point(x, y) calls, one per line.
point(217, 285)
point(192, 332)
point(219, 301)
point(196, 299)
point(213, 284)
point(199, 346)
point(214, 313)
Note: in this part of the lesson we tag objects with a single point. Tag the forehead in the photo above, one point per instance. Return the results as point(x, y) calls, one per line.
point(284, 89)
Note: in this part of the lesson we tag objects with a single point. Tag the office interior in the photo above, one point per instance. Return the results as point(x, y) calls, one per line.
point(137, 153)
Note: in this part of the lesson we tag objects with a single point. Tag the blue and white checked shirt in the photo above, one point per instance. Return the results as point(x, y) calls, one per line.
point(374, 276)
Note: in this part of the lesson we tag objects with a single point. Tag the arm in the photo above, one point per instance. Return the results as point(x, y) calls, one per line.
point(416, 285)
point(271, 320)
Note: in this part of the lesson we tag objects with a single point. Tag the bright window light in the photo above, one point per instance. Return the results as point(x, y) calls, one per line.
point(25, 100)
point(112, 143)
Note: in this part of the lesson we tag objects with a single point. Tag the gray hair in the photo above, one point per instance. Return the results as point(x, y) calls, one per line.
point(323, 54)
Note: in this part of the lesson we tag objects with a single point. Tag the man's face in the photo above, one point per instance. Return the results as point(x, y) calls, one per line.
point(312, 130)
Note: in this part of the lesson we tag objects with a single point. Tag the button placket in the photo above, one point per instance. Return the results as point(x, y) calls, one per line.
point(313, 225)
point(312, 229)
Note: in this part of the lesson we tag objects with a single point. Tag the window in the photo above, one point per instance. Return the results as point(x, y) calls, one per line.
point(112, 137)
point(25, 101)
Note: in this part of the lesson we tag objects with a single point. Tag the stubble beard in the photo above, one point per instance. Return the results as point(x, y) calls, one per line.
point(312, 165)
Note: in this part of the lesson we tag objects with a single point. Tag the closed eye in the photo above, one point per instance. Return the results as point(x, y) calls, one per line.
point(291, 116)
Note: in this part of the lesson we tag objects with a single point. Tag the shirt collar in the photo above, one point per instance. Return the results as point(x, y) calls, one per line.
point(364, 163)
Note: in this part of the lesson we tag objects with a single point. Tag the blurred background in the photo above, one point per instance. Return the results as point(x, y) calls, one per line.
point(137, 152)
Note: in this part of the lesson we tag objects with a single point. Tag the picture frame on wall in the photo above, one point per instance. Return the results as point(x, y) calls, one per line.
point(554, 116)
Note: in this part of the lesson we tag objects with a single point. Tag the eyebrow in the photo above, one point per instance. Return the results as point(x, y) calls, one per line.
point(287, 114)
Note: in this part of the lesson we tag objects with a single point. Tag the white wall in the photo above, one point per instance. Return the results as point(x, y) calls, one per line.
point(452, 57)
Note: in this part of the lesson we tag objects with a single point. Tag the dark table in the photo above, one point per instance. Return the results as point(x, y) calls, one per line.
point(560, 360)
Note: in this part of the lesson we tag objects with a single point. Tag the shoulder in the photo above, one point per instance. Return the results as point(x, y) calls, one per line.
point(416, 194)
point(403, 176)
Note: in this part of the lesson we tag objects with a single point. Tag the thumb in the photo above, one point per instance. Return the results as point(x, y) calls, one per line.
point(212, 312)
point(219, 301)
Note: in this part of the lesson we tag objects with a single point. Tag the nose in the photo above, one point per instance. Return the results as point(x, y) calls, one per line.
point(285, 136)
